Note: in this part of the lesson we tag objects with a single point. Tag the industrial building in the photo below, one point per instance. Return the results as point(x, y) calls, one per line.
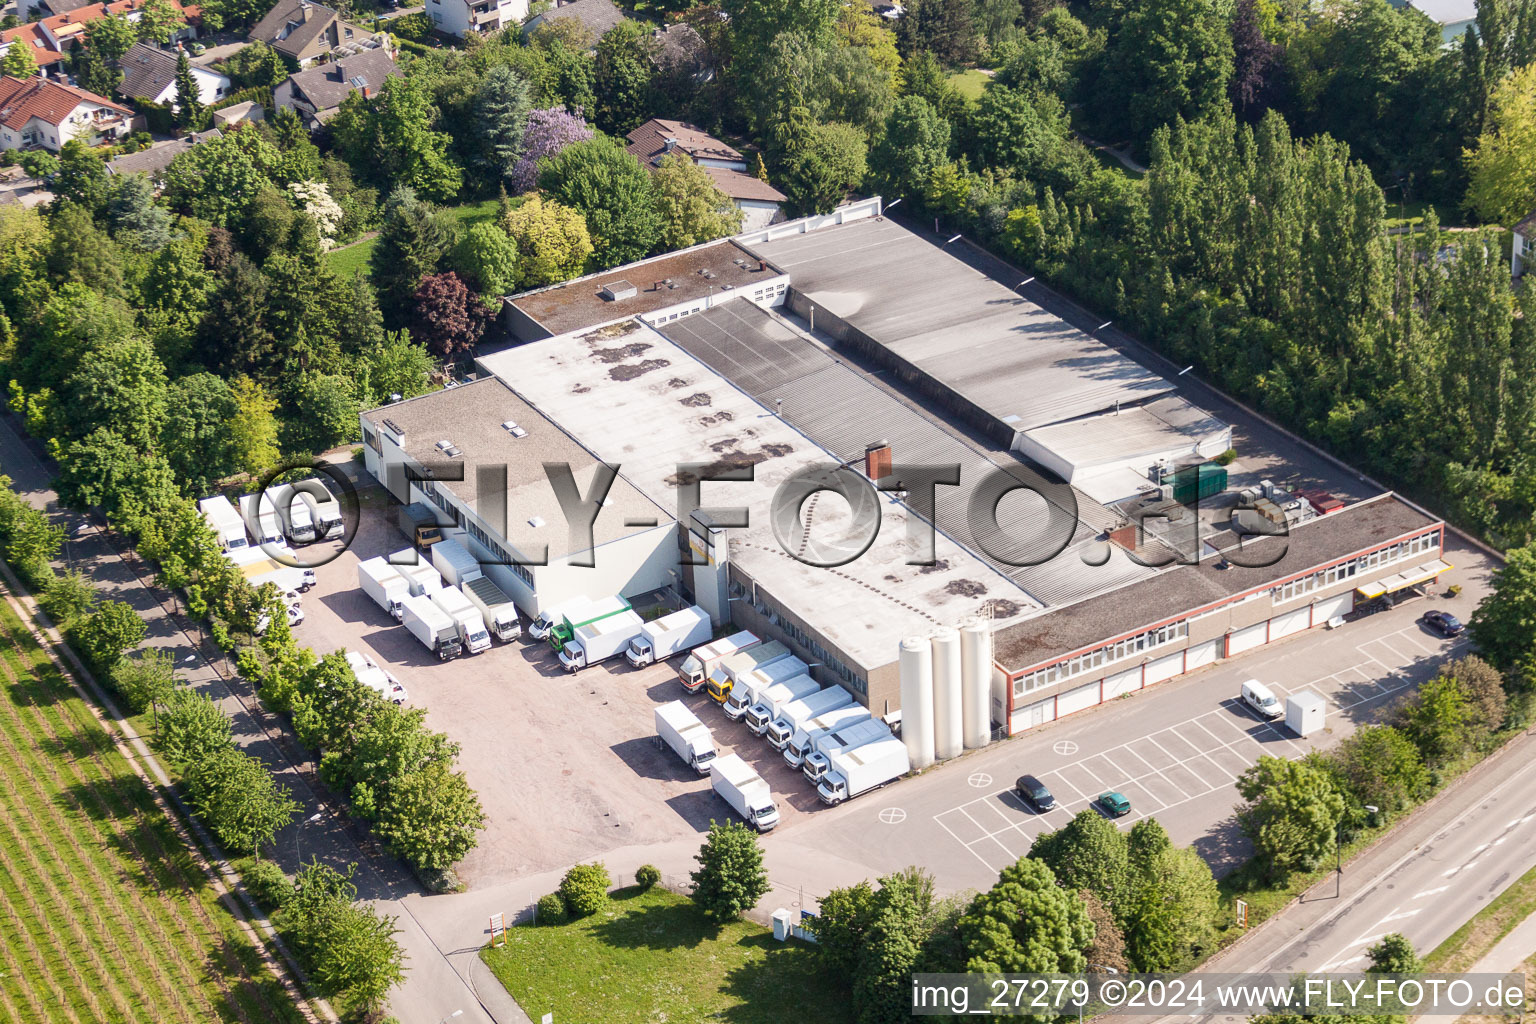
point(1100, 530)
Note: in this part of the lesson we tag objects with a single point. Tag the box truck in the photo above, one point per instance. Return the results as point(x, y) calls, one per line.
point(423, 579)
point(803, 743)
point(376, 679)
point(735, 666)
point(745, 791)
point(863, 769)
point(472, 632)
point(292, 512)
point(847, 737)
point(419, 524)
point(432, 626)
point(797, 712)
point(594, 611)
point(225, 522)
point(747, 689)
point(702, 660)
point(324, 509)
point(258, 567)
point(545, 621)
point(496, 608)
point(261, 519)
point(598, 641)
point(669, 635)
point(455, 563)
point(772, 700)
point(688, 737)
point(384, 584)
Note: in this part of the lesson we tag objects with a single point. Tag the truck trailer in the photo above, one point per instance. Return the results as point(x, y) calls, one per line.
point(457, 565)
point(749, 687)
point(472, 632)
point(261, 519)
point(496, 608)
point(730, 669)
point(431, 625)
point(225, 522)
point(594, 611)
point(258, 567)
point(797, 712)
point(669, 635)
point(803, 743)
point(598, 641)
point(863, 769)
point(702, 660)
point(768, 704)
point(745, 791)
point(383, 583)
point(688, 737)
point(848, 737)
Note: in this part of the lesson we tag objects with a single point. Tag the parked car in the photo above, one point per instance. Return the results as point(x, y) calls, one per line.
point(1033, 792)
point(1444, 623)
point(1114, 804)
point(1261, 699)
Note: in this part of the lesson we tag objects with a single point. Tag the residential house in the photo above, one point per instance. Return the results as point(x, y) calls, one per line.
point(153, 160)
point(597, 15)
point(250, 110)
point(316, 94)
point(475, 17)
point(149, 73)
point(681, 54)
point(51, 38)
point(1525, 245)
point(38, 112)
point(305, 32)
point(1453, 16)
point(759, 201)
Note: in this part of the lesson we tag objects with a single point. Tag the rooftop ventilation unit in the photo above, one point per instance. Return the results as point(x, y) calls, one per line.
point(513, 429)
point(536, 522)
point(395, 429)
point(616, 290)
point(449, 449)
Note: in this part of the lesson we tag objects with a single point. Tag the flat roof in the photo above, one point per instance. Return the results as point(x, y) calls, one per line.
point(639, 400)
point(660, 282)
point(844, 411)
point(1021, 365)
point(1162, 425)
point(1359, 527)
point(470, 416)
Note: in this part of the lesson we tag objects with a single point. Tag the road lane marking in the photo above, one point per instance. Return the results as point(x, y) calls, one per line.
point(1399, 917)
point(1431, 892)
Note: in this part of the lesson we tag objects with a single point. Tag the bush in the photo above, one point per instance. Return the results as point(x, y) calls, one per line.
point(550, 910)
point(585, 889)
point(647, 876)
point(268, 885)
point(1227, 457)
point(104, 635)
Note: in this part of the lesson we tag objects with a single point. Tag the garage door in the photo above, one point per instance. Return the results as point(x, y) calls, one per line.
point(1165, 668)
point(1201, 655)
point(1327, 609)
point(1033, 714)
point(1247, 639)
point(1290, 622)
point(1122, 682)
point(1077, 699)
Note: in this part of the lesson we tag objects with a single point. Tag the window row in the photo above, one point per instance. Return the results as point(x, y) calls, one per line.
point(1402, 551)
point(1109, 653)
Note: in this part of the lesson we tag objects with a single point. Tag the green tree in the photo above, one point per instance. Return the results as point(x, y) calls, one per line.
point(393, 365)
point(104, 471)
point(612, 191)
point(255, 65)
point(189, 99)
point(1291, 815)
point(1088, 853)
point(412, 242)
point(842, 920)
point(692, 208)
point(349, 949)
point(18, 61)
point(584, 889)
point(134, 215)
point(623, 77)
point(941, 27)
point(239, 799)
point(1394, 954)
point(120, 386)
point(815, 164)
point(110, 37)
point(1026, 923)
point(1484, 689)
point(110, 630)
point(501, 108)
point(486, 257)
point(146, 680)
point(68, 597)
point(1107, 950)
point(1504, 624)
point(192, 728)
point(324, 412)
point(1438, 720)
point(253, 430)
point(916, 140)
point(430, 816)
point(1169, 923)
point(730, 878)
point(1382, 768)
point(390, 134)
point(216, 180)
point(198, 434)
point(158, 21)
point(552, 241)
point(882, 986)
point(81, 253)
point(234, 335)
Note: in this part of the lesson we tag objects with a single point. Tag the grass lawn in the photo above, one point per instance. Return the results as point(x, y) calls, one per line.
point(349, 259)
point(969, 83)
point(652, 957)
point(1474, 939)
point(103, 914)
point(1398, 214)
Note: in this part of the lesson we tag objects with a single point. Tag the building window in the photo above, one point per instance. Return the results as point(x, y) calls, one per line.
point(1100, 657)
point(1390, 555)
point(371, 439)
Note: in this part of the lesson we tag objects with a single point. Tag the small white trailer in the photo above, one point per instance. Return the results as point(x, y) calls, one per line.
point(383, 583)
point(225, 522)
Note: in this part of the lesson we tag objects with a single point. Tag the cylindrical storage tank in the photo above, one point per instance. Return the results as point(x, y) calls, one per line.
point(948, 723)
point(976, 681)
point(917, 700)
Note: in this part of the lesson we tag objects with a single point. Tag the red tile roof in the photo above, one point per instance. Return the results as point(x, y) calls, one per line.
point(71, 24)
point(31, 36)
point(20, 101)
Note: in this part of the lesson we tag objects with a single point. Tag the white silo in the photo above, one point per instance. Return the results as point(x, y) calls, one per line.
point(917, 700)
point(976, 681)
point(948, 722)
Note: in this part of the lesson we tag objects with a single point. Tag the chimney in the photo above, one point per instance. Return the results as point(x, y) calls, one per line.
point(877, 460)
point(669, 144)
point(762, 264)
point(304, 12)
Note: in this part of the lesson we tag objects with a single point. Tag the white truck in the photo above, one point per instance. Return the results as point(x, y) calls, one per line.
point(729, 670)
point(863, 769)
point(548, 617)
point(745, 791)
point(668, 635)
point(847, 737)
point(697, 666)
point(423, 579)
point(773, 700)
point(496, 608)
point(606, 638)
point(747, 688)
point(376, 679)
point(803, 743)
point(324, 509)
point(384, 584)
point(225, 522)
point(431, 625)
point(292, 512)
point(261, 519)
point(258, 567)
point(455, 563)
point(688, 737)
point(472, 632)
point(797, 712)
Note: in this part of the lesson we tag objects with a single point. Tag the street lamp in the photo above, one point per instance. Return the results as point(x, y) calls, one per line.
point(1338, 853)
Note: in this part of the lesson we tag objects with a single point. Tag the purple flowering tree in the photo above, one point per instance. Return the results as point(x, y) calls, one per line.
point(549, 131)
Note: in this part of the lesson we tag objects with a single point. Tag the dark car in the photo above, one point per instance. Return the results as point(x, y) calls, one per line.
point(1444, 623)
point(1114, 804)
point(1033, 792)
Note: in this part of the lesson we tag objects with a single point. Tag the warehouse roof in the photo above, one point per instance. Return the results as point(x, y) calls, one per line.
point(473, 418)
point(1146, 430)
point(1189, 588)
point(657, 284)
point(1021, 365)
point(637, 399)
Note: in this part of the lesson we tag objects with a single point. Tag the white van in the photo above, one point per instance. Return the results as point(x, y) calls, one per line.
point(1262, 699)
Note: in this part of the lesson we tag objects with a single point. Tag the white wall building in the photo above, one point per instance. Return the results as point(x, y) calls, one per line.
point(38, 112)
